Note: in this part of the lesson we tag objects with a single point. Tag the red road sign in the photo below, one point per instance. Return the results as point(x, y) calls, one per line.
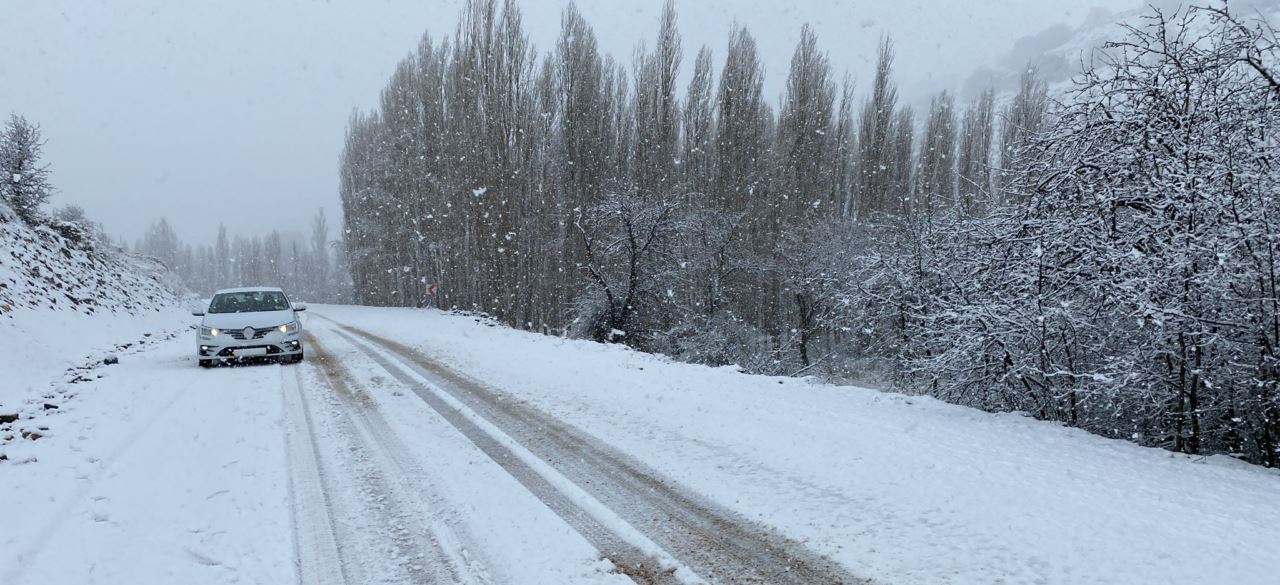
point(431, 289)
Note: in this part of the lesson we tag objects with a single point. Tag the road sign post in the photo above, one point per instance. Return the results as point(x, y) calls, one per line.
point(432, 289)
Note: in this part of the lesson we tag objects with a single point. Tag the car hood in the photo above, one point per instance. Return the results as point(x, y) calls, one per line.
point(241, 320)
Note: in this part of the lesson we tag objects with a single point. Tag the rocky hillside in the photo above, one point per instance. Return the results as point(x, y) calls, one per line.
point(60, 268)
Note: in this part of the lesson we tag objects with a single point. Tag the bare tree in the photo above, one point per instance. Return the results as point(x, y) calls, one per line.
point(936, 179)
point(974, 158)
point(628, 240)
point(875, 172)
point(1021, 120)
point(657, 113)
point(697, 158)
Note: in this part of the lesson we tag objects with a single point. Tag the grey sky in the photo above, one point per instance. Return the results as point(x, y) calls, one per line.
point(233, 111)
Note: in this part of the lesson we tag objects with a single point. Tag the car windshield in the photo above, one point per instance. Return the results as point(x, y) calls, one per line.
point(248, 302)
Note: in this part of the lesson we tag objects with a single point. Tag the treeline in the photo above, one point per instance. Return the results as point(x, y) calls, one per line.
point(310, 268)
point(1106, 261)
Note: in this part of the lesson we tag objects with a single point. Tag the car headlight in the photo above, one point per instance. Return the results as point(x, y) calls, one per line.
point(290, 327)
point(209, 331)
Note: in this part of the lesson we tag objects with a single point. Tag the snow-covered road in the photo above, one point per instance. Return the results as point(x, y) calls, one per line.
point(161, 472)
point(419, 447)
point(366, 464)
point(646, 525)
point(385, 491)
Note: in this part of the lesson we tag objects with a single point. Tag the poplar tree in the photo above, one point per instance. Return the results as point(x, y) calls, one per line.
point(936, 179)
point(974, 178)
point(875, 166)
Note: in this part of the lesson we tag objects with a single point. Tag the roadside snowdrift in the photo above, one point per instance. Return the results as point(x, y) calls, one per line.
point(64, 302)
point(899, 489)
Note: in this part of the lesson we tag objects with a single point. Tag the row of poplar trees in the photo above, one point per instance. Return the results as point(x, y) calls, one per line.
point(1104, 259)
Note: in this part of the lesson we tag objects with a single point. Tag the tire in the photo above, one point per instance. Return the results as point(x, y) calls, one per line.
point(206, 363)
point(293, 359)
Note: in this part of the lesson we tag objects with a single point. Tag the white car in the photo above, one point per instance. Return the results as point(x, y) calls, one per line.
point(249, 323)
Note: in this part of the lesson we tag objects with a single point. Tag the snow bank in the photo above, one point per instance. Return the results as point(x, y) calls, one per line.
point(899, 489)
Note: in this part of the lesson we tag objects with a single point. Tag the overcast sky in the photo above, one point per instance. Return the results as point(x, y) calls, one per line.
point(233, 111)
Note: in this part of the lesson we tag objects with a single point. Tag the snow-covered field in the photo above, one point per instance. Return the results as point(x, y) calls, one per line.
point(366, 465)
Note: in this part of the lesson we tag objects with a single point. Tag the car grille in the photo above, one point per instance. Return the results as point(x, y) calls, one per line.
point(257, 333)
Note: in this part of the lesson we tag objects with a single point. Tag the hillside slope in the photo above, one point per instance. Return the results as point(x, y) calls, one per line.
point(42, 269)
point(62, 300)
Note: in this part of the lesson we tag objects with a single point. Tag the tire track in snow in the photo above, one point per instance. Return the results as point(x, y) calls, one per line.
point(434, 552)
point(317, 556)
point(719, 545)
point(631, 553)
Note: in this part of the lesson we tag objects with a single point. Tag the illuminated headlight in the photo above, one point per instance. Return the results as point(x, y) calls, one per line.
point(209, 331)
point(287, 328)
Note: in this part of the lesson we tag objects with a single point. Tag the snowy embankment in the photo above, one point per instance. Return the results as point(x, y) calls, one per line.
point(84, 499)
point(64, 305)
point(899, 489)
point(155, 473)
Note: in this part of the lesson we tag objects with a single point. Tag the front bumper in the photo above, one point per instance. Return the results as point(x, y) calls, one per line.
point(223, 346)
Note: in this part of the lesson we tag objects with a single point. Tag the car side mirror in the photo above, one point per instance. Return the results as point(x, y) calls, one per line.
point(299, 307)
point(197, 313)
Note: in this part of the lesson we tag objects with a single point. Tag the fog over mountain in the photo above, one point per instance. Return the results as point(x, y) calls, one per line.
point(1057, 50)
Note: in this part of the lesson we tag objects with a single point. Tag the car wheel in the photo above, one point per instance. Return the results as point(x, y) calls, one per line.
point(206, 363)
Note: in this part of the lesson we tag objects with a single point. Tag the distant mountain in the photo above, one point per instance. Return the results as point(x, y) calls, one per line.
point(1059, 50)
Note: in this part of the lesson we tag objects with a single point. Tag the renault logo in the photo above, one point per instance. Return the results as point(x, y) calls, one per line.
point(248, 332)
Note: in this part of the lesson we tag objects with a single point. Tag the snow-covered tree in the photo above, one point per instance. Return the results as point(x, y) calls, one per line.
point(1100, 258)
point(629, 242)
point(24, 178)
point(1132, 294)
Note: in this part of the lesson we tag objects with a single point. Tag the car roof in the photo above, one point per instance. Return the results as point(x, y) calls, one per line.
point(245, 289)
